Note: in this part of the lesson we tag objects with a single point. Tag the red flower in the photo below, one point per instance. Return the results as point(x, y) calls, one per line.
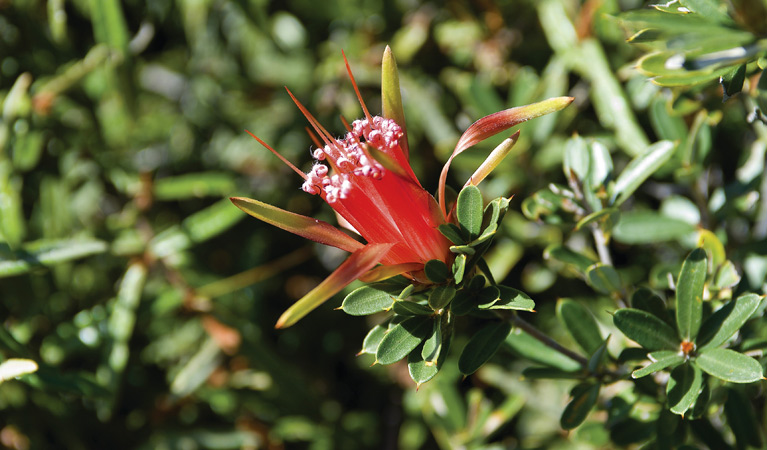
point(366, 178)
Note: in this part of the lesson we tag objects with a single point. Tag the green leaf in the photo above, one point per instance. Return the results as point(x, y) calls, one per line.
point(727, 320)
point(510, 298)
point(649, 227)
point(647, 330)
point(639, 169)
point(433, 344)
point(729, 365)
point(597, 358)
point(482, 346)
point(727, 276)
point(469, 210)
point(689, 294)
point(646, 300)
point(603, 278)
point(419, 370)
point(453, 233)
point(732, 83)
point(47, 253)
point(436, 271)
point(528, 347)
point(683, 388)
point(580, 324)
point(459, 266)
point(16, 367)
point(402, 339)
point(373, 339)
point(109, 25)
point(441, 296)
point(712, 10)
point(585, 396)
point(409, 308)
point(605, 218)
point(577, 159)
point(391, 97)
point(660, 360)
point(193, 185)
point(568, 256)
point(365, 301)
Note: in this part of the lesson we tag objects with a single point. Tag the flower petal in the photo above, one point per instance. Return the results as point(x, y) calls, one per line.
point(307, 227)
point(357, 264)
point(495, 123)
point(493, 159)
point(391, 96)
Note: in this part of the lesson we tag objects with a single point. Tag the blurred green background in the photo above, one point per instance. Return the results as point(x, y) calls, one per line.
point(149, 300)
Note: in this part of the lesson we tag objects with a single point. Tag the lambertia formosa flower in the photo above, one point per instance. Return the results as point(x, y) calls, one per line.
point(365, 176)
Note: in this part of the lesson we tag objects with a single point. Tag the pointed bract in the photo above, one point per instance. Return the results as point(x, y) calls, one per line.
point(391, 96)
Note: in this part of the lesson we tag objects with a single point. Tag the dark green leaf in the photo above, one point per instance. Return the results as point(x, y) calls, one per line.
point(402, 339)
point(436, 271)
point(469, 210)
point(732, 83)
point(419, 370)
point(408, 308)
point(580, 324)
point(510, 298)
point(482, 346)
point(727, 320)
point(487, 296)
point(433, 344)
point(689, 294)
point(453, 233)
point(597, 358)
point(585, 396)
point(729, 365)
point(568, 256)
point(742, 420)
point(683, 388)
point(373, 339)
point(639, 169)
point(646, 300)
point(660, 360)
point(528, 347)
point(647, 330)
point(441, 296)
point(459, 266)
point(366, 300)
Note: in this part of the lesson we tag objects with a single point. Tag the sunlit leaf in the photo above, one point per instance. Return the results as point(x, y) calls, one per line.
point(689, 294)
point(580, 324)
point(640, 169)
point(402, 339)
point(727, 320)
point(683, 388)
point(366, 300)
point(660, 360)
point(729, 365)
point(647, 330)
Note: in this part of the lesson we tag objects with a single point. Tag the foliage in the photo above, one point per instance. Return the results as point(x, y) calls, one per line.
point(139, 304)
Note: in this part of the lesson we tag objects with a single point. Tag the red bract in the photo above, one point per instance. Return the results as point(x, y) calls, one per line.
point(366, 177)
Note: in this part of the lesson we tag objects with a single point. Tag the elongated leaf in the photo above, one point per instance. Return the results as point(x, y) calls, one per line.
point(469, 210)
point(433, 344)
point(366, 300)
point(683, 388)
point(482, 346)
point(585, 396)
point(193, 185)
point(603, 278)
point(441, 296)
point(580, 324)
point(568, 256)
point(313, 229)
point(493, 159)
point(358, 263)
point(646, 300)
point(727, 320)
point(647, 330)
point(402, 339)
point(391, 97)
point(47, 253)
point(408, 308)
point(660, 360)
point(509, 298)
point(689, 294)
point(648, 227)
point(373, 339)
point(729, 365)
point(639, 169)
point(528, 347)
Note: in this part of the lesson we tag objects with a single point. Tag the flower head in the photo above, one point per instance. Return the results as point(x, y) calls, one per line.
point(365, 176)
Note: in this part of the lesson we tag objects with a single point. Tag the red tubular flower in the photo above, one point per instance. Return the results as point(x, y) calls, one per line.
point(366, 177)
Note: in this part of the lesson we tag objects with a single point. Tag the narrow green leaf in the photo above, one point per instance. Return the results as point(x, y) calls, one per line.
point(408, 308)
point(683, 388)
point(47, 253)
point(482, 346)
point(193, 185)
point(391, 97)
point(528, 347)
point(469, 210)
point(402, 339)
point(660, 360)
point(689, 294)
point(510, 298)
point(585, 396)
point(732, 83)
point(647, 330)
point(597, 358)
point(453, 233)
point(639, 169)
point(570, 257)
point(373, 339)
point(729, 365)
point(366, 300)
point(441, 296)
point(581, 325)
point(109, 26)
point(603, 278)
point(727, 320)
point(649, 227)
